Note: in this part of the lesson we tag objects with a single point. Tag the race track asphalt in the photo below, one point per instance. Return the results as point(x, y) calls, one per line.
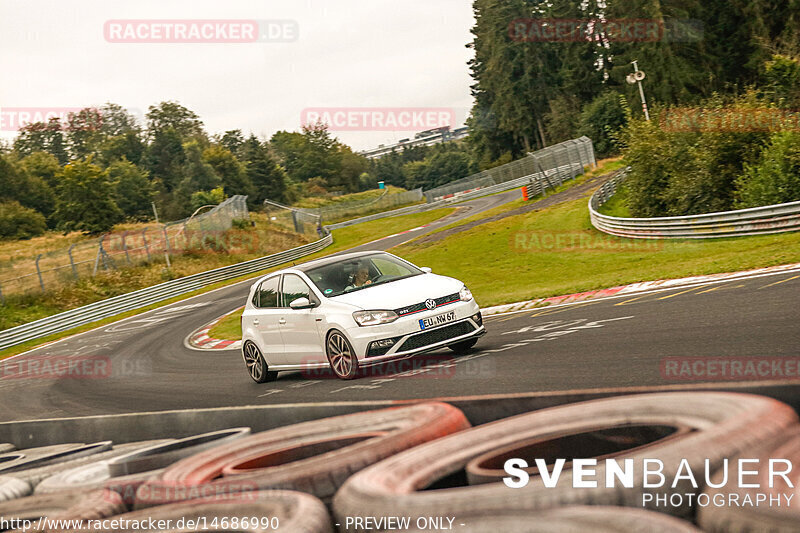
point(648, 339)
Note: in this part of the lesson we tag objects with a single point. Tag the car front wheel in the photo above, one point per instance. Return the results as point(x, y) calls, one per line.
point(341, 356)
point(256, 364)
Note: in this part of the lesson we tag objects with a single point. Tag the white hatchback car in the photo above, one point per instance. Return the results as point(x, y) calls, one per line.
point(349, 311)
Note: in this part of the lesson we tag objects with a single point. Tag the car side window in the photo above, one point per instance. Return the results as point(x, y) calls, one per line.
point(293, 288)
point(267, 293)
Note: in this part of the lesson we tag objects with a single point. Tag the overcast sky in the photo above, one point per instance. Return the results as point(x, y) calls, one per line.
point(349, 53)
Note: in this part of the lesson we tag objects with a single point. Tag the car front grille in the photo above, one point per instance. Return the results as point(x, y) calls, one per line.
point(416, 308)
point(437, 335)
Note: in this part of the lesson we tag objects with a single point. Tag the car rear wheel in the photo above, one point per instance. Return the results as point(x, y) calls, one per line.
point(341, 356)
point(463, 346)
point(256, 364)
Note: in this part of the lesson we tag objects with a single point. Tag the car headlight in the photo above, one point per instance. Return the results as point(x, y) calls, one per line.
point(373, 318)
point(465, 294)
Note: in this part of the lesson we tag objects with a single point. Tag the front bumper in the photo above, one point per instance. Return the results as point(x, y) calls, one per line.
point(408, 339)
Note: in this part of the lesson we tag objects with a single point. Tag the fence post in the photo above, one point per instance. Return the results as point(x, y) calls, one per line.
point(72, 261)
point(39, 272)
point(97, 258)
point(146, 248)
point(166, 246)
point(125, 247)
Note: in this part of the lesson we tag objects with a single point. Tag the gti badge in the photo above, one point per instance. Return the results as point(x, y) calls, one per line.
point(430, 304)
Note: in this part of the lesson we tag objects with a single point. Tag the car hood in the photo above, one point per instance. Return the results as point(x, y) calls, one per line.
point(401, 293)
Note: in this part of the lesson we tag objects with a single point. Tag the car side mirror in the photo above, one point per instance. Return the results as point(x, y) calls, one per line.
point(301, 303)
point(427, 270)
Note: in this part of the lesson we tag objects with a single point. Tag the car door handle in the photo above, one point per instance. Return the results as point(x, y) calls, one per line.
point(282, 321)
point(255, 321)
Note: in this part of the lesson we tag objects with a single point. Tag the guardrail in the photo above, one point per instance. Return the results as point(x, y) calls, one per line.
point(155, 294)
point(538, 184)
point(778, 218)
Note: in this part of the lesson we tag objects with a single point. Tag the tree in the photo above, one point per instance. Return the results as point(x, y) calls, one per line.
point(85, 199)
point(172, 115)
point(352, 168)
point(133, 191)
point(312, 153)
point(233, 140)
point(165, 158)
point(44, 166)
point(561, 121)
point(18, 222)
point(116, 120)
point(198, 176)
point(268, 178)
point(389, 169)
point(42, 137)
point(83, 132)
point(440, 168)
point(127, 145)
point(600, 119)
point(231, 171)
point(16, 184)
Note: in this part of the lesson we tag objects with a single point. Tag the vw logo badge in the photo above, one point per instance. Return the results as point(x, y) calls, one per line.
point(430, 304)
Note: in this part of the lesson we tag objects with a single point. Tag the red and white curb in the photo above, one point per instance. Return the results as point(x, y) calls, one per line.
point(199, 340)
point(644, 286)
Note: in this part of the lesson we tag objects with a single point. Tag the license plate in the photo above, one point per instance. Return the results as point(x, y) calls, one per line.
point(438, 320)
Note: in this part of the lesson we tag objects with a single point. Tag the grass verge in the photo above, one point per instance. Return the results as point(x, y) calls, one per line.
point(344, 238)
point(229, 327)
point(557, 251)
point(603, 167)
point(617, 205)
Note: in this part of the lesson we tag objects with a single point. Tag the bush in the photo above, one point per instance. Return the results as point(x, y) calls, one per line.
point(203, 198)
point(241, 223)
point(86, 199)
point(18, 222)
point(679, 171)
point(775, 177)
point(600, 119)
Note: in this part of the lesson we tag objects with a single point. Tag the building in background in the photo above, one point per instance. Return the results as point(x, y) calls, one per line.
point(423, 138)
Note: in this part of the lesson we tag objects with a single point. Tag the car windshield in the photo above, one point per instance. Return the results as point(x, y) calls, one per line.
point(351, 275)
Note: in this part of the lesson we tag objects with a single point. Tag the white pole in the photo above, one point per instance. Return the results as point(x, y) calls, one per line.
point(641, 93)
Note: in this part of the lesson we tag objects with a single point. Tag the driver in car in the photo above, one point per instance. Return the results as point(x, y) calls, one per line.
point(361, 277)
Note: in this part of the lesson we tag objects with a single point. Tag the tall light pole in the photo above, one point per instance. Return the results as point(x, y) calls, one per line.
point(636, 77)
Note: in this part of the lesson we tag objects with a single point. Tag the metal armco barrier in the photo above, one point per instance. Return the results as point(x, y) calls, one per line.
point(539, 183)
point(143, 297)
point(754, 221)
